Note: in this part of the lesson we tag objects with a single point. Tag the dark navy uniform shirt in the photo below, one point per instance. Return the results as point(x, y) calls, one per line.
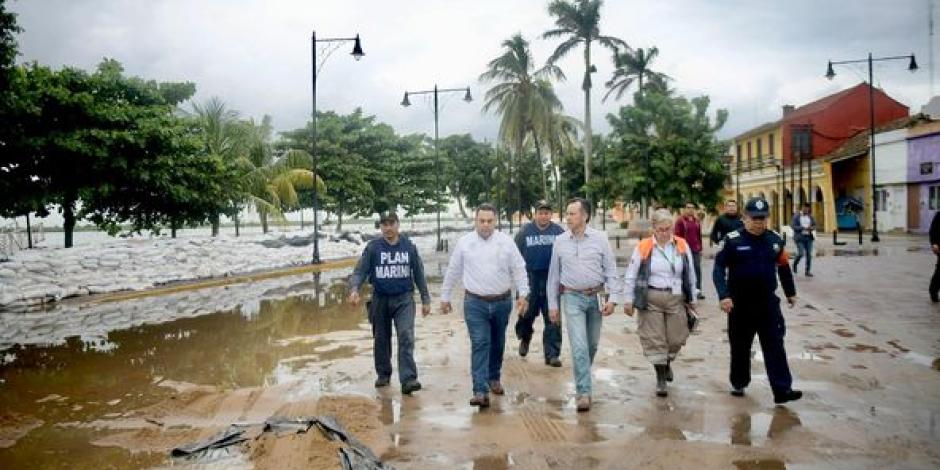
point(536, 245)
point(392, 269)
point(747, 266)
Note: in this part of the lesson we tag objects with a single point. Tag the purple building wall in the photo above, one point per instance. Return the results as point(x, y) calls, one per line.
point(923, 171)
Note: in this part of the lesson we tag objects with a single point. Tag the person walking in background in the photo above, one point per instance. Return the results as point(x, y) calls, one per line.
point(535, 243)
point(803, 225)
point(727, 222)
point(392, 264)
point(935, 247)
point(746, 270)
point(488, 264)
point(582, 266)
point(660, 283)
point(689, 229)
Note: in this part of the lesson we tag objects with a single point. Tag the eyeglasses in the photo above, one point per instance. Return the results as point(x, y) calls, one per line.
point(759, 218)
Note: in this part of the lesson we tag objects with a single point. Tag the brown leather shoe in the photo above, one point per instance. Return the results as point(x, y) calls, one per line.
point(497, 388)
point(584, 403)
point(480, 399)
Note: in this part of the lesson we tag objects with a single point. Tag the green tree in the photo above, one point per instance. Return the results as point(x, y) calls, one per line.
point(578, 23)
point(634, 67)
point(664, 148)
point(468, 165)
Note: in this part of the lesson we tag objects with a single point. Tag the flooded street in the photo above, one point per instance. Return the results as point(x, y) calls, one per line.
point(119, 384)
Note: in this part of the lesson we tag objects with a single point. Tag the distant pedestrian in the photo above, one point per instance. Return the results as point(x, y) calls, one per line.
point(935, 246)
point(535, 243)
point(488, 264)
point(746, 270)
point(727, 222)
point(689, 228)
point(660, 282)
point(803, 225)
point(393, 267)
point(582, 268)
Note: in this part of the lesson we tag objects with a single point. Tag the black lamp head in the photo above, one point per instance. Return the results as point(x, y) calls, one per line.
point(467, 97)
point(357, 49)
point(913, 65)
point(830, 74)
point(404, 101)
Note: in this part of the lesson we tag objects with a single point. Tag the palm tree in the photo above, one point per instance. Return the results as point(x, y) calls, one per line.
point(635, 67)
point(578, 21)
point(221, 134)
point(561, 133)
point(522, 96)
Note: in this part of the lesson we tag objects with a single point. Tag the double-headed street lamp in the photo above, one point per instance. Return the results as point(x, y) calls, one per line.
point(830, 74)
point(357, 54)
point(437, 157)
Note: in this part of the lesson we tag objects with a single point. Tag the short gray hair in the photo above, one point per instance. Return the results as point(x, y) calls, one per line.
point(660, 216)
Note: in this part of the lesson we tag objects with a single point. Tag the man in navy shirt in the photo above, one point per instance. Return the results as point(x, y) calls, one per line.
point(393, 267)
point(535, 243)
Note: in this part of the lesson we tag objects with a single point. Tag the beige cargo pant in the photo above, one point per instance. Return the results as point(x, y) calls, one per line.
point(662, 327)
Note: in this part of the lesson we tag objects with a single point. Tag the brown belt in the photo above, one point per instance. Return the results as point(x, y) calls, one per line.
point(490, 298)
point(588, 291)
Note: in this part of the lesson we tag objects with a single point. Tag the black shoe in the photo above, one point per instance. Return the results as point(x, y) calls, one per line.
point(809, 274)
point(554, 362)
point(381, 382)
point(524, 347)
point(789, 395)
point(737, 391)
point(410, 386)
point(660, 380)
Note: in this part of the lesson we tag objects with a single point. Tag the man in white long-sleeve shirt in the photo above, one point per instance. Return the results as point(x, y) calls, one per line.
point(582, 267)
point(488, 264)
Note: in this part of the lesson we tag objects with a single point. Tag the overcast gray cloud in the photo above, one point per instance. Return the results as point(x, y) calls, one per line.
point(751, 57)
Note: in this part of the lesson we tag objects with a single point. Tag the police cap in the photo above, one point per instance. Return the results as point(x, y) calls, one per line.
point(757, 207)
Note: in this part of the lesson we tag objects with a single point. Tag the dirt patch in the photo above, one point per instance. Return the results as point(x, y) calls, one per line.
point(820, 347)
point(857, 347)
point(897, 345)
point(13, 426)
point(195, 414)
point(870, 330)
point(844, 333)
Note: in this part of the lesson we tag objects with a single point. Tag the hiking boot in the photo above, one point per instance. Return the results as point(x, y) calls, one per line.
point(524, 347)
point(480, 399)
point(584, 403)
point(788, 395)
point(660, 380)
point(497, 388)
point(381, 382)
point(554, 362)
point(737, 391)
point(410, 386)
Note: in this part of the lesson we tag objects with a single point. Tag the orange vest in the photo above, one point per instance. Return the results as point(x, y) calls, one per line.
point(646, 246)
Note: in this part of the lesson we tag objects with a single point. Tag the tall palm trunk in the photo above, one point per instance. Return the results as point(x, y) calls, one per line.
point(263, 216)
point(588, 135)
point(538, 155)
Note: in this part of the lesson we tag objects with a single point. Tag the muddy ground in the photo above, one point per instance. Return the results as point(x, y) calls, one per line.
point(863, 345)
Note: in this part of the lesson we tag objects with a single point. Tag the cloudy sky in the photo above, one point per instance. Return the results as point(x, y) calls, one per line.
point(751, 57)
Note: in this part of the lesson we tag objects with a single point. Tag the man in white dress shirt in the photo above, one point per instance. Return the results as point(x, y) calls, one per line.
point(487, 263)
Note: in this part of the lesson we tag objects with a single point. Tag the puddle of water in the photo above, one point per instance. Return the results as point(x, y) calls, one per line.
point(491, 462)
point(118, 370)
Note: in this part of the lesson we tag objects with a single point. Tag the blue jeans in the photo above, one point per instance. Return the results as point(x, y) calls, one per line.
point(399, 309)
point(583, 317)
point(486, 323)
point(804, 246)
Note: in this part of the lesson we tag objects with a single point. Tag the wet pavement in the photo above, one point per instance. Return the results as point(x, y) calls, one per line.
point(117, 385)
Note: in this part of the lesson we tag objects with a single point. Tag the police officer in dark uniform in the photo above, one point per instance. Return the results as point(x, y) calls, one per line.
point(745, 275)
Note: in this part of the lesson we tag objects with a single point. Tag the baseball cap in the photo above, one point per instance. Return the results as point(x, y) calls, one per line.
point(757, 207)
point(543, 204)
point(388, 217)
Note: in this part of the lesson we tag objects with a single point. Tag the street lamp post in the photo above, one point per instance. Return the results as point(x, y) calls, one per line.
point(830, 74)
point(357, 54)
point(437, 156)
